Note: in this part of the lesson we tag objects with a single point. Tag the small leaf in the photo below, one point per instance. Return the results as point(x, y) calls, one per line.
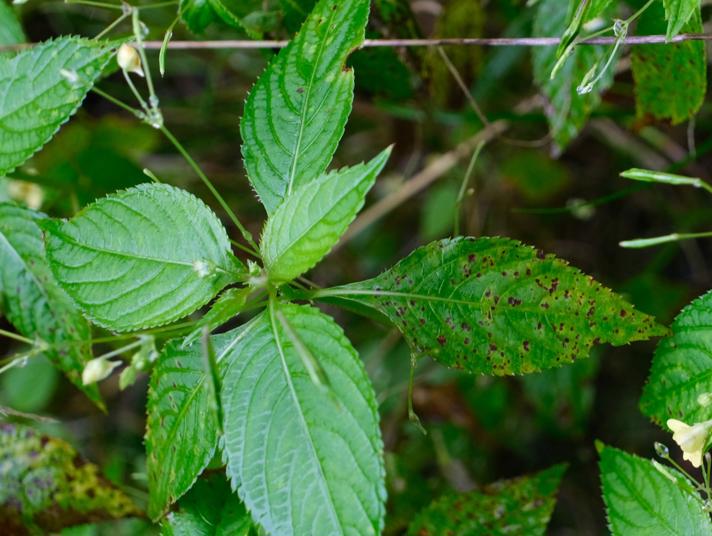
point(296, 113)
point(320, 443)
point(678, 13)
point(671, 79)
point(519, 506)
point(567, 111)
point(182, 427)
point(210, 508)
point(143, 257)
point(40, 89)
point(495, 306)
point(197, 14)
point(310, 222)
point(642, 498)
point(247, 15)
point(10, 29)
point(225, 308)
point(34, 303)
point(45, 485)
point(680, 381)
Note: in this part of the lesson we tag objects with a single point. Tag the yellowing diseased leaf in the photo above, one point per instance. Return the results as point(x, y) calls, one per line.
point(46, 486)
point(521, 506)
point(670, 79)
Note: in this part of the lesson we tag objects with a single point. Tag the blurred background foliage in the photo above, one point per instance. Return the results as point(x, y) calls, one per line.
point(479, 429)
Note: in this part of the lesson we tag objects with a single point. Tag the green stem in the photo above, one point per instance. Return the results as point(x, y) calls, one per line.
point(412, 415)
point(656, 240)
point(463, 187)
point(119, 103)
point(245, 233)
point(17, 337)
point(111, 26)
point(94, 3)
point(121, 350)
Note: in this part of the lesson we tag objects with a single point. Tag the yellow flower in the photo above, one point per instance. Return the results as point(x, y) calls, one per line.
point(129, 60)
point(692, 439)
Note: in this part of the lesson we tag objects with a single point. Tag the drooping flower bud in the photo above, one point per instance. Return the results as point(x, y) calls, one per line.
point(128, 59)
point(98, 369)
point(691, 439)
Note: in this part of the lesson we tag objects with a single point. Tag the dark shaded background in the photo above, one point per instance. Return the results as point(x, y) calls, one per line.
point(479, 429)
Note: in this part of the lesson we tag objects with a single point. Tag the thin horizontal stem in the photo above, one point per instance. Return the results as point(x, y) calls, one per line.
point(450, 41)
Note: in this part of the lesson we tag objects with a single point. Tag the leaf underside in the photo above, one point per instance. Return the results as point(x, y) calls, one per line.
point(32, 300)
point(304, 458)
point(670, 79)
point(566, 110)
point(310, 222)
point(681, 373)
point(641, 500)
point(296, 112)
point(36, 98)
point(142, 257)
point(46, 486)
point(182, 427)
point(521, 506)
point(495, 306)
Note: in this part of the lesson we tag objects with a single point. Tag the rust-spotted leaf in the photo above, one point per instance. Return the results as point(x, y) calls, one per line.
point(521, 506)
point(45, 486)
point(496, 306)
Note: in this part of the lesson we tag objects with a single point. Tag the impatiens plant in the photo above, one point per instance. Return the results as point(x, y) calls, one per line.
point(272, 427)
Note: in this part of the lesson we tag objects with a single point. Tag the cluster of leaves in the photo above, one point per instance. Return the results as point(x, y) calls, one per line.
point(284, 399)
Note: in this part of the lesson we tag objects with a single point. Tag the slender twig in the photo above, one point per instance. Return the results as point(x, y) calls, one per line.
point(245, 233)
point(231, 44)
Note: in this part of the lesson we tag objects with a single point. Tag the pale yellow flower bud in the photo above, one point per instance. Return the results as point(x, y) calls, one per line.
point(692, 439)
point(98, 369)
point(128, 59)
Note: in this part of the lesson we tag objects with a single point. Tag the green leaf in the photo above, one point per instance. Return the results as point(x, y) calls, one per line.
point(253, 16)
point(495, 306)
point(304, 458)
point(197, 14)
point(10, 30)
point(566, 110)
point(225, 308)
point(182, 427)
point(209, 509)
point(310, 222)
point(40, 89)
point(45, 485)
point(143, 257)
point(671, 79)
point(680, 381)
point(642, 498)
point(32, 300)
point(519, 506)
point(678, 13)
point(296, 113)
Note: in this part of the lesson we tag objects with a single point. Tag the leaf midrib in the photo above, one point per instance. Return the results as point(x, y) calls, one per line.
point(305, 107)
point(295, 398)
point(124, 254)
point(310, 227)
